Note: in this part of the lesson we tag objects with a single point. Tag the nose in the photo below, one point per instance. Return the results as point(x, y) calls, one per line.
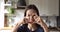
point(31, 17)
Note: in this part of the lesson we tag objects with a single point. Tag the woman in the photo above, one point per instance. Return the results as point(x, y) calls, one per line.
point(31, 22)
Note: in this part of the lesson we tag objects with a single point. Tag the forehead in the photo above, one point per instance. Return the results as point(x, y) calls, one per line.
point(31, 11)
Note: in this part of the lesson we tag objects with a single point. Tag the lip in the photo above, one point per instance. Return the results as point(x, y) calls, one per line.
point(31, 21)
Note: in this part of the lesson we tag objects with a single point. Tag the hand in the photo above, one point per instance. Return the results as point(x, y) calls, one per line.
point(37, 19)
point(26, 19)
point(23, 21)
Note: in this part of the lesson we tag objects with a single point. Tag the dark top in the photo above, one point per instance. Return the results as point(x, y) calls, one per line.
point(24, 28)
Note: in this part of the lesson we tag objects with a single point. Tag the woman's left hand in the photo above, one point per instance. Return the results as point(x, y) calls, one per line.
point(37, 19)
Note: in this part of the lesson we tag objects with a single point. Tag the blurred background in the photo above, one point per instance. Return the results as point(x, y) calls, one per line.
point(12, 11)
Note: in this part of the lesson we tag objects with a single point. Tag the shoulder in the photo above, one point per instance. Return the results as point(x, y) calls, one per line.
point(21, 28)
point(39, 28)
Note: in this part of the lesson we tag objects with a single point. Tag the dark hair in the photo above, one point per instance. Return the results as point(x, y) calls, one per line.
point(31, 7)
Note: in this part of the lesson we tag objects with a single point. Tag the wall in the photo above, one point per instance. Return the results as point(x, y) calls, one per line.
point(1, 13)
point(19, 15)
point(52, 19)
point(47, 7)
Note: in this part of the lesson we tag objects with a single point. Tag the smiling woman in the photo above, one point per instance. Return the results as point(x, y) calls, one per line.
point(31, 22)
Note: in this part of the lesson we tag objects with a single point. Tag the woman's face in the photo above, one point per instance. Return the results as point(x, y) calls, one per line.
point(30, 14)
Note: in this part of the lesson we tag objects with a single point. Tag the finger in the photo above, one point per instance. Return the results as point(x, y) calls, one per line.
point(35, 17)
point(26, 19)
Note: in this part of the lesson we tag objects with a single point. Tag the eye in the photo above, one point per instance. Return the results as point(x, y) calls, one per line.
point(34, 15)
point(28, 15)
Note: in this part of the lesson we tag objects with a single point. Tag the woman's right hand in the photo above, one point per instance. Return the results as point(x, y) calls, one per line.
point(21, 22)
point(26, 19)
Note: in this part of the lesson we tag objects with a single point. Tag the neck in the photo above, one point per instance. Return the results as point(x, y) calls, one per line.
point(32, 26)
